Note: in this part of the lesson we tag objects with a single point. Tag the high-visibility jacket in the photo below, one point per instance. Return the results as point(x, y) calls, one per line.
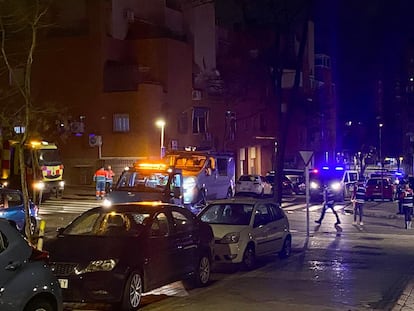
point(111, 175)
point(360, 193)
point(408, 198)
point(100, 175)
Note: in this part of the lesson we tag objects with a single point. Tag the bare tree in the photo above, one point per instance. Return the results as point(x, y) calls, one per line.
point(20, 24)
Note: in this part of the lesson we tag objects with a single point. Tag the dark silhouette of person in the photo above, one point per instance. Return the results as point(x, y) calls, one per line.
point(328, 202)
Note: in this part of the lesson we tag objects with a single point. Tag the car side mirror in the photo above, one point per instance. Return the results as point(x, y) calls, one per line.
point(60, 230)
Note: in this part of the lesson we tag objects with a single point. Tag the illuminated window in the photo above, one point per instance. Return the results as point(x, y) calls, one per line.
point(200, 115)
point(121, 123)
point(19, 129)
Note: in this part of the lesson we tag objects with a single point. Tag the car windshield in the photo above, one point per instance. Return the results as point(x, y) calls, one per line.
point(326, 177)
point(190, 163)
point(10, 199)
point(143, 180)
point(110, 223)
point(227, 214)
point(49, 157)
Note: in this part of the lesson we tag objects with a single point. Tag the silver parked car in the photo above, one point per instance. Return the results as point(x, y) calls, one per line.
point(26, 281)
point(246, 228)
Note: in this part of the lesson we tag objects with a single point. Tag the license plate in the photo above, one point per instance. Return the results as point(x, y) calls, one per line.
point(63, 283)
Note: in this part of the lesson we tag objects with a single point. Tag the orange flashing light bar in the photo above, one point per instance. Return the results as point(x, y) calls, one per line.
point(151, 166)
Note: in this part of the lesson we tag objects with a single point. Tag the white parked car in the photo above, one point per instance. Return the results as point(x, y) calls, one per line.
point(245, 228)
point(255, 184)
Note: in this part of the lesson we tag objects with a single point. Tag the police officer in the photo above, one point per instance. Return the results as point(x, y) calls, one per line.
point(407, 204)
point(328, 202)
point(359, 200)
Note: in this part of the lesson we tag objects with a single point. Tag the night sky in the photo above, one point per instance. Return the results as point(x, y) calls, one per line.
point(366, 39)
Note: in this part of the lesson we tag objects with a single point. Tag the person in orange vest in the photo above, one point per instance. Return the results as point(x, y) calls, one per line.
point(100, 179)
point(110, 178)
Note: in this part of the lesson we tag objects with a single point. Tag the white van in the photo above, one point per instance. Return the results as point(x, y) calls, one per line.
point(206, 175)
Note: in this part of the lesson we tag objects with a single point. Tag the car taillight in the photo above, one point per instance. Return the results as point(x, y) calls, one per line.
point(38, 255)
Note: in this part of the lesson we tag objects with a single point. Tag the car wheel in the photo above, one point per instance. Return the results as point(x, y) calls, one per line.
point(41, 304)
point(249, 258)
point(202, 274)
point(286, 249)
point(203, 271)
point(132, 292)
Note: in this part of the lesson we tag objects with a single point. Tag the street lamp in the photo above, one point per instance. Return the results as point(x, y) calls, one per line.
point(161, 124)
point(380, 155)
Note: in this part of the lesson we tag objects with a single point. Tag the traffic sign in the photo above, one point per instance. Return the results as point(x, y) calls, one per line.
point(306, 156)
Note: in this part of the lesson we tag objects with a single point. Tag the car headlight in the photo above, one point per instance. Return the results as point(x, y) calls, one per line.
point(107, 203)
point(336, 186)
point(189, 183)
point(230, 238)
point(97, 265)
point(39, 185)
point(313, 185)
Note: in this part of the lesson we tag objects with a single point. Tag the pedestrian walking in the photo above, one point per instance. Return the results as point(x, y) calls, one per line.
point(407, 205)
point(100, 179)
point(359, 200)
point(328, 202)
point(110, 178)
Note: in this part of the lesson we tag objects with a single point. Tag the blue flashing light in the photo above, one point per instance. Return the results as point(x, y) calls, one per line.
point(339, 168)
point(325, 167)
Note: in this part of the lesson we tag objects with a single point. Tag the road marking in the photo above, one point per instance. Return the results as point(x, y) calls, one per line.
point(66, 206)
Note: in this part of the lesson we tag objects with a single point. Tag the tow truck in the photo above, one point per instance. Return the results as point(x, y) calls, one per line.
point(148, 181)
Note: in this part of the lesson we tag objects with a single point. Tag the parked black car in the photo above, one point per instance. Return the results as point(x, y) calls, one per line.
point(115, 254)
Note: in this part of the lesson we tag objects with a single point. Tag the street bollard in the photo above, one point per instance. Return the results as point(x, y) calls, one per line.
point(42, 226)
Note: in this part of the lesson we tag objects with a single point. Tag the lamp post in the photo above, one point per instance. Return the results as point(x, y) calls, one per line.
point(161, 124)
point(380, 155)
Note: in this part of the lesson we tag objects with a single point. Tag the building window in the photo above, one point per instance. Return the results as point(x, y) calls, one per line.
point(200, 115)
point(19, 129)
point(121, 123)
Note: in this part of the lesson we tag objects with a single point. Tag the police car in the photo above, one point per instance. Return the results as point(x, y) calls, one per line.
point(339, 179)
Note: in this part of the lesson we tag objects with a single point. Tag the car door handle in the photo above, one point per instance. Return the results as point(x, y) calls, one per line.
point(13, 266)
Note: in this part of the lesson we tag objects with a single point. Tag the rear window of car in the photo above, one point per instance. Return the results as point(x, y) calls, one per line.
point(248, 178)
point(375, 182)
point(228, 214)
